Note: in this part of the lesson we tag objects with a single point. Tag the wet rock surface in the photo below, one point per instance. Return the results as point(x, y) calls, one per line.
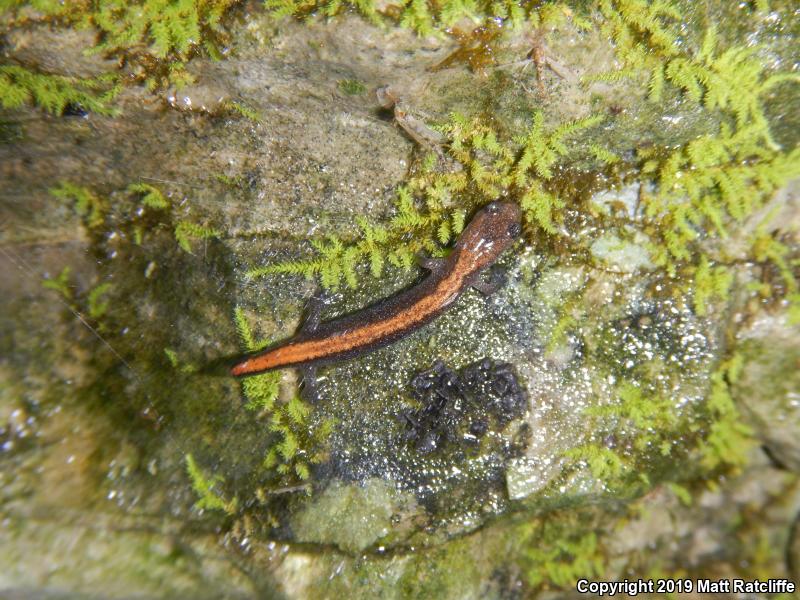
point(440, 461)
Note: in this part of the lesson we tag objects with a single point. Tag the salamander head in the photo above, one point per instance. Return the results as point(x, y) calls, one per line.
point(490, 232)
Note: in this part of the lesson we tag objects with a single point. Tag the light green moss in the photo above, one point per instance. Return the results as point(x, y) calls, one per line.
point(157, 36)
point(352, 87)
point(248, 112)
point(54, 93)
point(186, 231)
point(151, 196)
point(206, 488)
point(560, 549)
point(426, 214)
point(87, 204)
point(300, 442)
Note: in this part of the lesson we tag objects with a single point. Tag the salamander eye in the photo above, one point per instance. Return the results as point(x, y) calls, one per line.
point(493, 208)
point(514, 230)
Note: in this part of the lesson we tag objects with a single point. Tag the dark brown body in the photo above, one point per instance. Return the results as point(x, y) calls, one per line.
point(493, 229)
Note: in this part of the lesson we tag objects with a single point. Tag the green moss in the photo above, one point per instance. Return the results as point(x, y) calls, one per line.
point(94, 210)
point(61, 284)
point(90, 305)
point(54, 93)
point(604, 155)
point(426, 215)
point(96, 304)
point(643, 425)
point(300, 443)
point(262, 390)
point(352, 87)
point(570, 312)
point(151, 196)
point(157, 36)
point(650, 435)
point(87, 204)
point(710, 282)
point(186, 231)
point(728, 439)
point(244, 110)
point(427, 17)
point(163, 27)
point(159, 28)
point(560, 549)
point(206, 488)
point(176, 363)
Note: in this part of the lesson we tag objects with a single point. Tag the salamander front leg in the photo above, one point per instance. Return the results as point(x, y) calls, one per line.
point(430, 263)
point(490, 284)
point(313, 313)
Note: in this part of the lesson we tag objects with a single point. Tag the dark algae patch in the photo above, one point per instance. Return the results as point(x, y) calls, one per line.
point(459, 408)
point(180, 177)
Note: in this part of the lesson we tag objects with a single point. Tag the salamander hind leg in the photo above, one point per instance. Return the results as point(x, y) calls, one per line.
point(309, 390)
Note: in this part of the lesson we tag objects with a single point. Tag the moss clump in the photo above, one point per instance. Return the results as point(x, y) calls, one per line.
point(262, 390)
point(642, 424)
point(95, 210)
point(301, 442)
point(728, 439)
point(156, 37)
point(88, 306)
point(427, 17)
point(151, 196)
point(60, 284)
point(352, 87)
point(560, 549)
point(87, 204)
point(161, 29)
point(55, 93)
point(426, 214)
point(243, 110)
point(206, 488)
point(186, 231)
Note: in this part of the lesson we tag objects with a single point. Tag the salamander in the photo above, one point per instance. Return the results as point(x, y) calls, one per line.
point(491, 231)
